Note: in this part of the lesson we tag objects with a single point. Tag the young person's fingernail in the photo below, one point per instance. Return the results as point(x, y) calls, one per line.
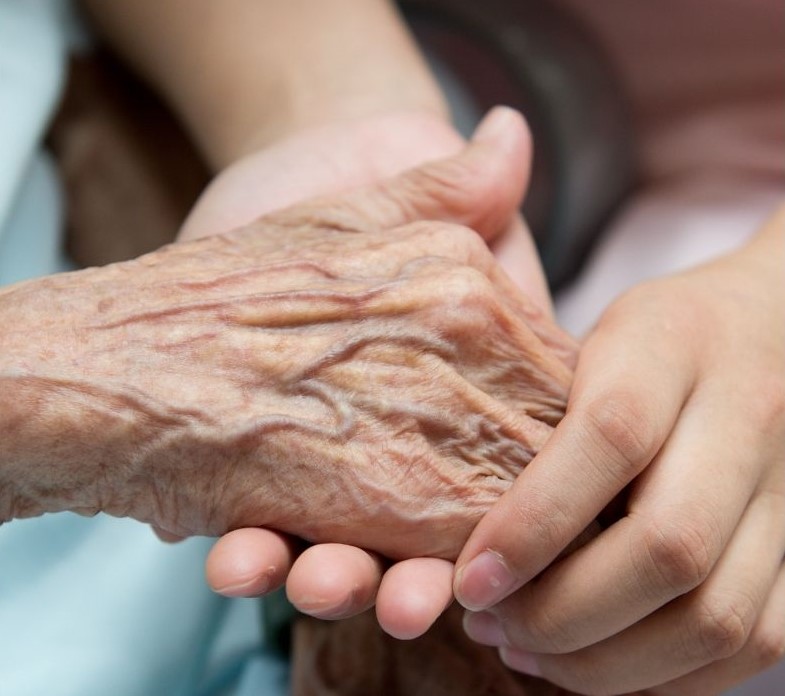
point(520, 661)
point(484, 628)
point(483, 581)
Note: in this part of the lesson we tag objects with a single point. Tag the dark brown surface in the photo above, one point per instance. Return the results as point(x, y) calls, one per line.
point(130, 172)
point(356, 658)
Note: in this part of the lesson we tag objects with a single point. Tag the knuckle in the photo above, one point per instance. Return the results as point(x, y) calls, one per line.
point(679, 553)
point(459, 242)
point(467, 287)
point(620, 426)
point(722, 626)
point(768, 645)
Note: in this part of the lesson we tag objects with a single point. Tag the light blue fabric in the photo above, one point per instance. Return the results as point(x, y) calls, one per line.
point(30, 239)
point(90, 607)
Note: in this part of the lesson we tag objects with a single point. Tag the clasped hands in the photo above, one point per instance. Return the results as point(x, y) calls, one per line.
point(359, 370)
point(674, 438)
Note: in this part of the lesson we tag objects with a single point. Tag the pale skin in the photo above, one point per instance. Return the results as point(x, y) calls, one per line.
point(702, 452)
point(311, 370)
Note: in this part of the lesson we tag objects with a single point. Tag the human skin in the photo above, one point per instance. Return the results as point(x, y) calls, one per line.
point(298, 123)
point(682, 415)
point(316, 371)
point(254, 560)
point(679, 396)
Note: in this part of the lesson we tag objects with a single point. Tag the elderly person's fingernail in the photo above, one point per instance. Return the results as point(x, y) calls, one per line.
point(496, 124)
point(483, 581)
point(520, 661)
point(484, 628)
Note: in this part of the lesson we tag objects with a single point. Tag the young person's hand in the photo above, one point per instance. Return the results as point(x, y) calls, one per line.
point(677, 419)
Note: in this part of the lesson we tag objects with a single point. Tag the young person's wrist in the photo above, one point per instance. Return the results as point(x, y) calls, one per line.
point(320, 161)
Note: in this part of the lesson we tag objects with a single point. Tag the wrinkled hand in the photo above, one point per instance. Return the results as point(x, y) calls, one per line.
point(678, 413)
point(317, 372)
point(330, 579)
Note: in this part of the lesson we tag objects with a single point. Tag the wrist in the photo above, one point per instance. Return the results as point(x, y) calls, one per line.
point(354, 60)
point(56, 451)
point(247, 75)
point(320, 161)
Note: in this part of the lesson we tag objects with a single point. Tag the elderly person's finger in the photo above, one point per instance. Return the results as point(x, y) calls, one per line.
point(413, 594)
point(250, 562)
point(334, 581)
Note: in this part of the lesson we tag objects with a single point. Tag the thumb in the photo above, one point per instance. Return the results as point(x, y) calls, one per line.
point(480, 187)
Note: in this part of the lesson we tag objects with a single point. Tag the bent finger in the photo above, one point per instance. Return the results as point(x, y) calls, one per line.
point(249, 562)
point(413, 594)
point(680, 520)
point(764, 649)
point(711, 623)
point(630, 386)
point(334, 581)
point(166, 536)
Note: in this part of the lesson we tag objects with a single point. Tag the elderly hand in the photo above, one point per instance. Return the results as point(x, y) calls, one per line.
point(318, 372)
point(678, 414)
point(332, 579)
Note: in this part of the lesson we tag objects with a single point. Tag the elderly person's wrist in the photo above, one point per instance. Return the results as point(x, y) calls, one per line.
point(52, 425)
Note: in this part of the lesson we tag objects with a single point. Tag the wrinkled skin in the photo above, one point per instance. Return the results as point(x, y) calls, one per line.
point(295, 374)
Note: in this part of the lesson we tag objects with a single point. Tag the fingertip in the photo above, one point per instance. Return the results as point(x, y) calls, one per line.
point(167, 537)
point(248, 563)
point(484, 628)
point(334, 581)
point(484, 581)
point(413, 594)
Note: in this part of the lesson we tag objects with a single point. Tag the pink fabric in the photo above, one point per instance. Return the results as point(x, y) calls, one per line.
point(715, 70)
point(706, 82)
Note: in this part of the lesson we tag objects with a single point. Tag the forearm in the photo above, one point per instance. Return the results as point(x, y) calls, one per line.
point(243, 74)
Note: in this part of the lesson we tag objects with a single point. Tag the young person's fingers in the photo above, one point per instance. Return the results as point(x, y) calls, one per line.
point(681, 517)
point(764, 649)
point(712, 623)
point(629, 389)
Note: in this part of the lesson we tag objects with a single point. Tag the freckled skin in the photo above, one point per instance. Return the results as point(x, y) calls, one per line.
point(379, 389)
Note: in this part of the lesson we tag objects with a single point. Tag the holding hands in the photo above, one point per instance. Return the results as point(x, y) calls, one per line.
point(273, 375)
point(674, 437)
point(675, 430)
